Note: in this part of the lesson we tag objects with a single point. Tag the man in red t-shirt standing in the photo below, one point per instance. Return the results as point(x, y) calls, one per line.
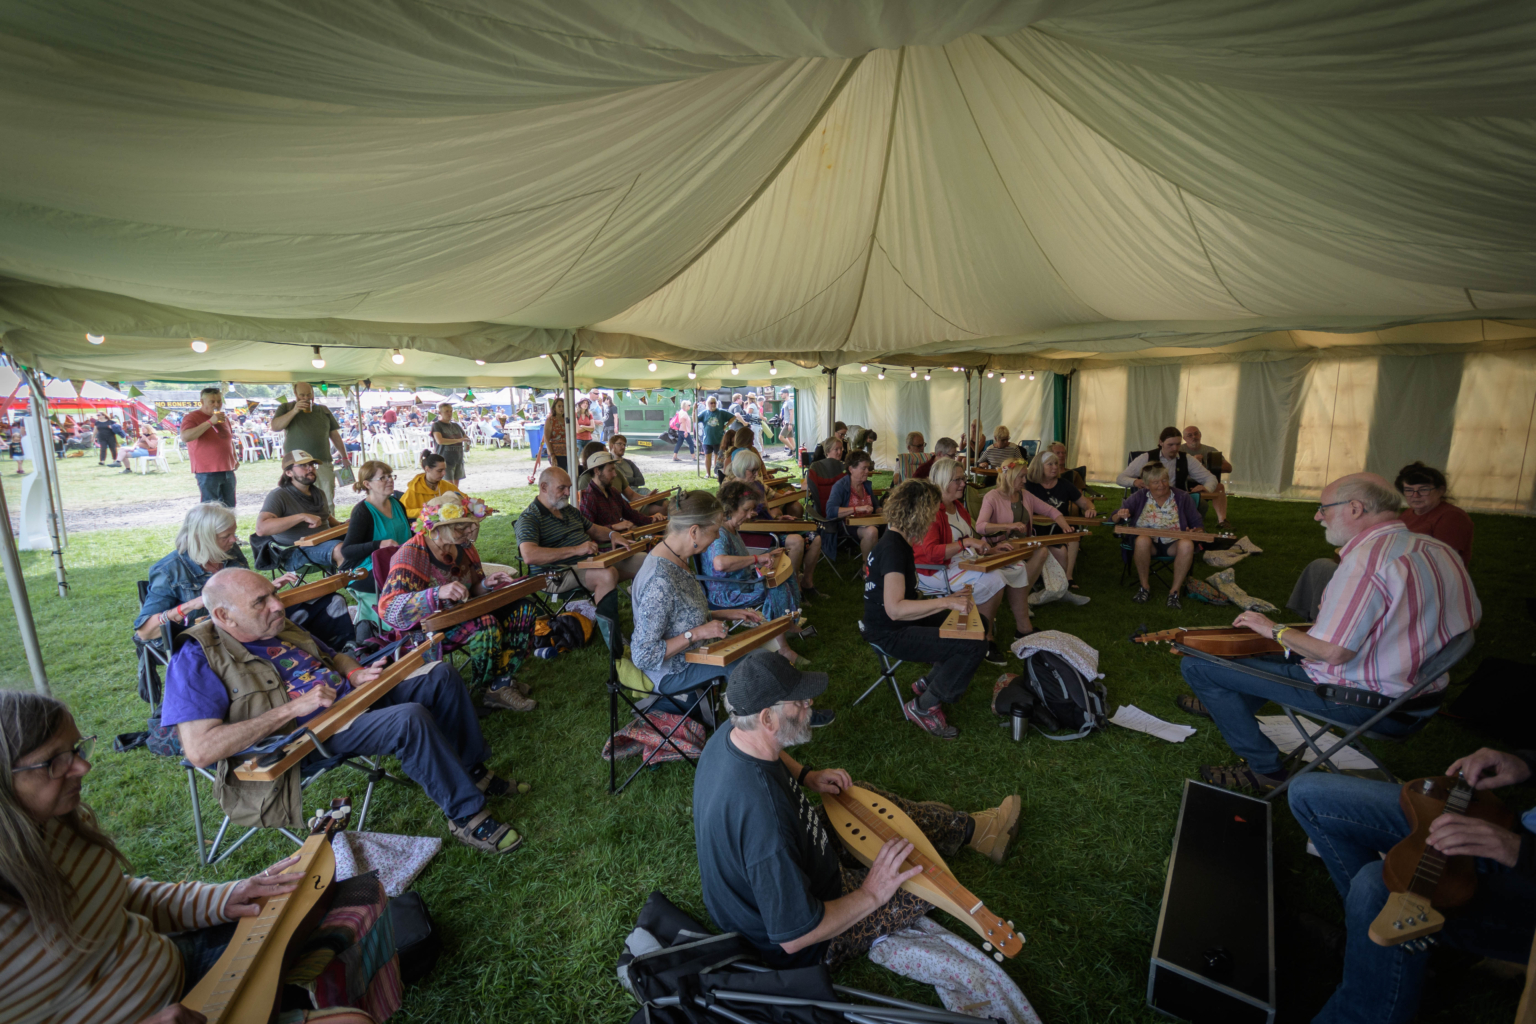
point(211, 448)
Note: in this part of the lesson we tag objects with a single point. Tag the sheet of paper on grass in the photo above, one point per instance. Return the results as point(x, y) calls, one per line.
point(1285, 736)
point(1129, 716)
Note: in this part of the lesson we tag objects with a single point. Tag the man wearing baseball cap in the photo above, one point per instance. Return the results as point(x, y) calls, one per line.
point(296, 508)
point(769, 866)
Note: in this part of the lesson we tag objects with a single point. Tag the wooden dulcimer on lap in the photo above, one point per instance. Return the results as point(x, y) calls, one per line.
point(321, 536)
point(777, 500)
point(1020, 549)
point(614, 555)
point(878, 519)
point(650, 499)
point(1147, 531)
point(271, 766)
point(966, 625)
point(245, 985)
point(320, 588)
point(779, 570)
point(1222, 641)
point(1421, 880)
point(1071, 521)
point(485, 604)
point(734, 647)
point(647, 530)
point(778, 526)
point(866, 821)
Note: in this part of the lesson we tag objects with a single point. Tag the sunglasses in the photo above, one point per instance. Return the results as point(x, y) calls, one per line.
point(60, 765)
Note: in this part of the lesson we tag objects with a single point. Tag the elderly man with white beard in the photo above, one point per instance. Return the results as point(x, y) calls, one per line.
point(768, 864)
point(1396, 600)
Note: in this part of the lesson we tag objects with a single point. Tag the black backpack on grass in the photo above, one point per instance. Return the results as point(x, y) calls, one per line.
point(1071, 698)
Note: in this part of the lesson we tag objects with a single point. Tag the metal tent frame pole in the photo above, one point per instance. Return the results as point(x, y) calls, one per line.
point(50, 472)
point(698, 436)
point(970, 447)
point(831, 400)
point(18, 587)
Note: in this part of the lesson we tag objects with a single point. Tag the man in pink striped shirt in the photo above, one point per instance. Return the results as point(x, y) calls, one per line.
point(1396, 600)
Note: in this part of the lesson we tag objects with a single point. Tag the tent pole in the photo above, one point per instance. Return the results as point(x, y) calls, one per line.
point(572, 453)
point(698, 438)
point(50, 472)
point(831, 400)
point(18, 585)
point(970, 446)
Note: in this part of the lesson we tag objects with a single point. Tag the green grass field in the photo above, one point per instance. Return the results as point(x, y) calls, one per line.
point(533, 936)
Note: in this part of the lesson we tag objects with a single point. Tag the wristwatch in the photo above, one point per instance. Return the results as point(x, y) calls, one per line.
point(688, 636)
point(1274, 630)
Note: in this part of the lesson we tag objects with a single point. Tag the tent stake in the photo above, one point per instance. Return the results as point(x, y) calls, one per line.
point(18, 585)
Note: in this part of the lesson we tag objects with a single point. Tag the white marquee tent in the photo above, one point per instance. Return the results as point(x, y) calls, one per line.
point(1306, 226)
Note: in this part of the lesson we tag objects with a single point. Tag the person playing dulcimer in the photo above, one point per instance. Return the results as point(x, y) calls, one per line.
point(951, 540)
point(1353, 822)
point(439, 567)
point(1396, 600)
point(747, 466)
point(735, 570)
point(671, 611)
point(768, 864)
point(1009, 510)
point(81, 940)
point(852, 496)
point(1158, 505)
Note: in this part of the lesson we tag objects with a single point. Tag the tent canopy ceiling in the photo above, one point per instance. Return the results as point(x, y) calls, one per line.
point(909, 180)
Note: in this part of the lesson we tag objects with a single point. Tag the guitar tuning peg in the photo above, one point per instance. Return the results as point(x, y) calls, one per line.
point(998, 957)
point(987, 946)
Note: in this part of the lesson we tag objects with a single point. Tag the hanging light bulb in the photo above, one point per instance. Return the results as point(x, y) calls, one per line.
point(989, 375)
point(693, 371)
point(1021, 375)
point(95, 339)
point(479, 362)
point(914, 373)
point(880, 375)
point(199, 346)
point(735, 369)
point(927, 375)
point(954, 369)
point(397, 357)
point(319, 361)
point(1031, 374)
point(543, 355)
point(863, 368)
point(773, 371)
point(651, 366)
point(598, 361)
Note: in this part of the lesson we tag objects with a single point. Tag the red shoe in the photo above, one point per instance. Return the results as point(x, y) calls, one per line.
point(931, 721)
point(920, 686)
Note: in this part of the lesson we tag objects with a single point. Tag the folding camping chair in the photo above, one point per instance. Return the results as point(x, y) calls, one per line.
point(820, 489)
point(888, 667)
point(628, 683)
point(1160, 570)
point(1412, 708)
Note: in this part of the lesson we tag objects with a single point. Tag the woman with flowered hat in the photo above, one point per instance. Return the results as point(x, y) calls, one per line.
point(439, 567)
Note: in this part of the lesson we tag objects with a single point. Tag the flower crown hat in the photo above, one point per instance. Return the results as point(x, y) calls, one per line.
point(450, 509)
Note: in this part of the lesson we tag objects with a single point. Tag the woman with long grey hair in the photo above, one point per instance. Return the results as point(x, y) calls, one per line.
point(207, 542)
point(85, 941)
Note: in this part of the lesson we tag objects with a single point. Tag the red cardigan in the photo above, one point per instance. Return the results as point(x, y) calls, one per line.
point(930, 551)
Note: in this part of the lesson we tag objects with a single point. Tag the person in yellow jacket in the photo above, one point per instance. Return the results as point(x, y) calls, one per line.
point(428, 484)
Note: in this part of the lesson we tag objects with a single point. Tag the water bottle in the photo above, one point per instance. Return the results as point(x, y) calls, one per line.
point(1019, 722)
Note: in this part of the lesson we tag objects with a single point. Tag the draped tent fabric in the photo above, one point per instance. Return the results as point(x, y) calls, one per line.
point(1289, 222)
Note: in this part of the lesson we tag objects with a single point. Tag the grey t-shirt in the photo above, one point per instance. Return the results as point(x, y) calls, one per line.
point(309, 431)
point(287, 501)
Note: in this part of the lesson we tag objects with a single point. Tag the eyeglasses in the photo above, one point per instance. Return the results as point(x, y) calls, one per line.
point(1322, 508)
point(1419, 492)
point(798, 703)
point(60, 765)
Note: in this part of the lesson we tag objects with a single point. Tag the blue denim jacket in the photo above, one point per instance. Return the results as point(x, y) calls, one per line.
point(176, 579)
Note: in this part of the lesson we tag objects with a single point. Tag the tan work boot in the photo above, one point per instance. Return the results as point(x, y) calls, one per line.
point(995, 827)
point(508, 697)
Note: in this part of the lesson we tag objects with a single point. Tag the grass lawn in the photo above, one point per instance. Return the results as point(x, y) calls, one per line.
point(533, 936)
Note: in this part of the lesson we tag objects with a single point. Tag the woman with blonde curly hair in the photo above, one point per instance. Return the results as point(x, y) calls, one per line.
point(903, 624)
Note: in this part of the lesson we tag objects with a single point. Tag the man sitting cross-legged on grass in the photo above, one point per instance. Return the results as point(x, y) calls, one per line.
point(1396, 600)
point(247, 673)
point(768, 864)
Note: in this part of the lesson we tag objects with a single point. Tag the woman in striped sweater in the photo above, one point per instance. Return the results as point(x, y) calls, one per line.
point(80, 940)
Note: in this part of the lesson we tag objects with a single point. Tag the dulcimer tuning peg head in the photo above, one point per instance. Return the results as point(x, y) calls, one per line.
point(998, 957)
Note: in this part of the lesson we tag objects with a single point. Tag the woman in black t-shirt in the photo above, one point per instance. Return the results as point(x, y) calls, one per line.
point(1044, 481)
point(905, 626)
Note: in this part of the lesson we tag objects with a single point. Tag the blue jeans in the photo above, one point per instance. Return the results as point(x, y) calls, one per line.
point(681, 440)
point(1234, 698)
point(429, 723)
point(295, 559)
point(1351, 821)
point(326, 619)
point(217, 487)
point(200, 951)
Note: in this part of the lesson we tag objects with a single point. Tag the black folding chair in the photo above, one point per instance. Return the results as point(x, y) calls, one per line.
point(888, 666)
point(702, 702)
point(1412, 708)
